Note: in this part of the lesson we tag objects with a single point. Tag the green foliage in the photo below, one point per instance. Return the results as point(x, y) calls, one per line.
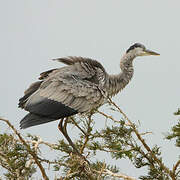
point(155, 173)
point(175, 134)
point(115, 139)
point(14, 157)
point(21, 157)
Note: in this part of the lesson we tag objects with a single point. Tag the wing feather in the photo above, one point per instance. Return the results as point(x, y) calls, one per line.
point(68, 90)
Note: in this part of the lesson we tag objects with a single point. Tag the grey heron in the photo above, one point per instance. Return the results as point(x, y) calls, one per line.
point(79, 87)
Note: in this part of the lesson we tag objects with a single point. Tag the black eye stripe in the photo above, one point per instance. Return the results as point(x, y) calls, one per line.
point(136, 45)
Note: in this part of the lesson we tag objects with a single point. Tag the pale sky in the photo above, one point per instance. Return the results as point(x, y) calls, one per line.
point(33, 32)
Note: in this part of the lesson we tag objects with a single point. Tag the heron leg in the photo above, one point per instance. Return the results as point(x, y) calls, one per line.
point(63, 129)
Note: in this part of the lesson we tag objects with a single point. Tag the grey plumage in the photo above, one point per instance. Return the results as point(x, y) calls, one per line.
point(79, 87)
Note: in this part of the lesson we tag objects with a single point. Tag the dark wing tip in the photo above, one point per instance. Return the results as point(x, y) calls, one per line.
point(34, 120)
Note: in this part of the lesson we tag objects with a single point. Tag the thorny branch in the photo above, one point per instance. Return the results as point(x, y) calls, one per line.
point(167, 170)
point(76, 124)
point(175, 167)
point(87, 134)
point(125, 177)
point(107, 116)
point(83, 166)
point(34, 155)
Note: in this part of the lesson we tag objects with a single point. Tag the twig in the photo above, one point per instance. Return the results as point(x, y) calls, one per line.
point(54, 162)
point(107, 116)
point(53, 146)
point(87, 134)
point(6, 159)
point(101, 172)
point(84, 145)
point(75, 123)
point(71, 175)
point(110, 173)
point(145, 133)
point(175, 167)
point(177, 173)
point(35, 157)
point(116, 151)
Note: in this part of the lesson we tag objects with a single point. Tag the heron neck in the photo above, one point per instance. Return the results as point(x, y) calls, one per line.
point(119, 81)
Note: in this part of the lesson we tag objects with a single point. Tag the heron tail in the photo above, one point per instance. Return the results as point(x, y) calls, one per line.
point(33, 120)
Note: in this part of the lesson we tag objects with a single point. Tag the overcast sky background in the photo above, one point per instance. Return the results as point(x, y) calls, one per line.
point(33, 32)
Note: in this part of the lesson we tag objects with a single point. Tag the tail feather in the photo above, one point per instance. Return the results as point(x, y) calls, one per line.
point(33, 120)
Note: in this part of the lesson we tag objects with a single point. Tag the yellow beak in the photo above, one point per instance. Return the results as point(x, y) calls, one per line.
point(149, 52)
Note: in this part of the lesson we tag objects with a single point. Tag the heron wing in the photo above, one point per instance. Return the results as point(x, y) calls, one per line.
point(60, 99)
point(67, 91)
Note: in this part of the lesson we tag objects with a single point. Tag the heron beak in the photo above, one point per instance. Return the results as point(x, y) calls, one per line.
point(148, 52)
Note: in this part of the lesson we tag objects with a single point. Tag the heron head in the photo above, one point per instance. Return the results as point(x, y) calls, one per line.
point(138, 49)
